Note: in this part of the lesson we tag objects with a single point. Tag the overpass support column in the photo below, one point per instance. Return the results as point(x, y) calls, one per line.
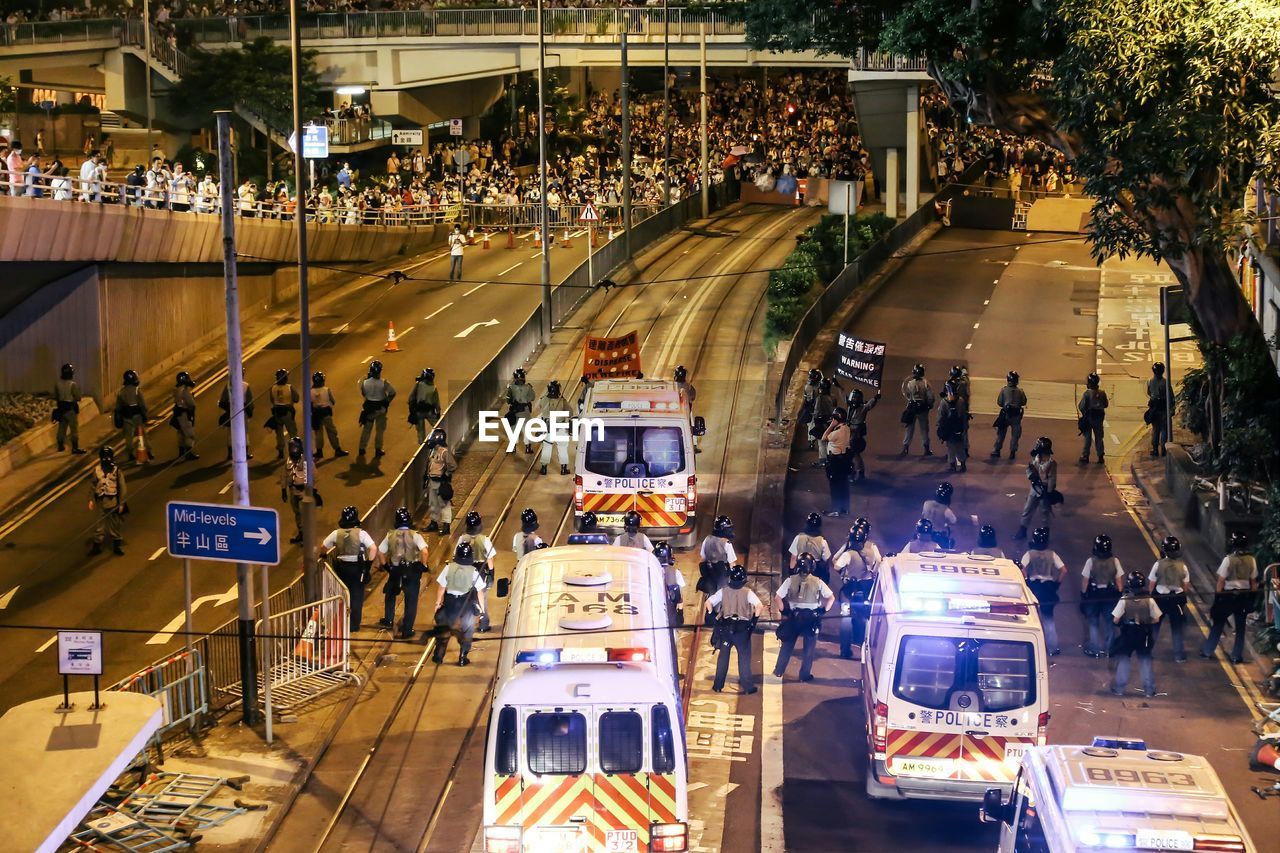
point(913, 149)
point(891, 183)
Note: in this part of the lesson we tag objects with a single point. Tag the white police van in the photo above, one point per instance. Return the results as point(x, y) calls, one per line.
point(643, 461)
point(954, 676)
point(1115, 795)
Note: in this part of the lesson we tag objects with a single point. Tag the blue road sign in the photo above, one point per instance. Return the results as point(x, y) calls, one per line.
point(231, 534)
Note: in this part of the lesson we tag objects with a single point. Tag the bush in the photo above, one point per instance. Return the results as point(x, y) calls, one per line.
point(783, 315)
point(791, 281)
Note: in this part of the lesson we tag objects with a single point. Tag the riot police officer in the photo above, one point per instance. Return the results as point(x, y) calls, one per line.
point(293, 484)
point(1042, 473)
point(457, 604)
point(551, 403)
point(527, 539)
point(284, 413)
point(673, 580)
point(131, 413)
point(923, 539)
point(353, 553)
point(987, 546)
point(519, 405)
point(953, 429)
point(1170, 581)
point(735, 608)
point(107, 496)
point(802, 599)
point(824, 406)
point(589, 532)
point(689, 393)
point(813, 543)
point(1157, 408)
point(919, 399)
point(377, 394)
point(322, 403)
point(1012, 403)
point(424, 403)
point(858, 410)
point(809, 396)
point(1137, 616)
point(66, 398)
point(631, 537)
point(184, 416)
point(939, 513)
point(483, 554)
point(1101, 582)
point(1233, 597)
point(404, 553)
point(1093, 412)
point(856, 561)
point(224, 419)
point(716, 555)
point(1045, 572)
point(439, 476)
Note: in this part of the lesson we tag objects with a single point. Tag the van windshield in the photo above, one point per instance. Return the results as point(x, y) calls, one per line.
point(933, 669)
point(636, 451)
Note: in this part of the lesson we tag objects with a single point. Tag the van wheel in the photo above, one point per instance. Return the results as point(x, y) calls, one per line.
point(875, 790)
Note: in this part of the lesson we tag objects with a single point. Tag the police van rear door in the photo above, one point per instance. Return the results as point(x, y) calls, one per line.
point(641, 464)
point(636, 785)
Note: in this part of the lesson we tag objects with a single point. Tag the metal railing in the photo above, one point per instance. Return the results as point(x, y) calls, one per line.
point(877, 60)
point(305, 651)
point(179, 683)
point(491, 216)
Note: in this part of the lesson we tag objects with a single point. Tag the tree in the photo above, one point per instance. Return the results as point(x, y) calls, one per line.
point(1166, 105)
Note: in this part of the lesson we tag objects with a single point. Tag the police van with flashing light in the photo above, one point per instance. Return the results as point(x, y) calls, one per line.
point(586, 747)
point(954, 676)
point(643, 460)
point(1115, 794)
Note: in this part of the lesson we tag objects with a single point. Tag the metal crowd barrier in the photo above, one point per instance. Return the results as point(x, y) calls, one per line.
point(306, 651)
point(179, 683)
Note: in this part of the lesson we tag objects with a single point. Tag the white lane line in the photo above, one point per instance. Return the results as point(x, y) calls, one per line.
point(47, 643)
point(8, 597)
point(968, 346)
point(226, 488)
point(437, 311)
point(510, 268)
point(341, 329)
point(156, 553)
point(986, 302)
point(400, 334)
point(532, 256)
point(975, 325)
point(366, 359)
point(772, 836)
point(474, 289)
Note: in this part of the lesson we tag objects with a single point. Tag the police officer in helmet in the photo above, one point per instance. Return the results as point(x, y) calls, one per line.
point(1045, 571)
point(107, 496)
point(923, 539)
point(322, 403)
point(66, 397)
point(1137, 615)
point(987, 546)
point(631, 537)
point(404, 554)
point(293, 484)
point(424, 403)
point(439, 481)
point(554, 409)
point(527, 538)
point(1093, 412)
point(937, 510)
point(130, 415)
point(284, 400)
point(919, 399)
point(519, 404)
point(802, 599)
point(1169, 582)
point(857, 561)
point(1101, 584)
point(812, 542)
point(735, 609)
point(483, 554)
point(1233, 596)
point(354, 553)
point(458, 603)
point(673, 580)
point(377, 394)
point(184, 416)
point(1157, 408)
point(1012, 403)
point(716, 555)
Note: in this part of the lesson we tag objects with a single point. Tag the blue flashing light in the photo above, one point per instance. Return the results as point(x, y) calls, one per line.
point(538, 656)
point(1107, 742)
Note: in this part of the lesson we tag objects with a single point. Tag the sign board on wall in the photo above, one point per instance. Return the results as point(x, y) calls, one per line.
point(406, 137)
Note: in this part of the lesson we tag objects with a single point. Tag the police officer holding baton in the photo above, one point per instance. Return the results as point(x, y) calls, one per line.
point(735, 609)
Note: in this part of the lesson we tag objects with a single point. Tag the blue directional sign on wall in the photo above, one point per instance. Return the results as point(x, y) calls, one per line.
point(231, 534)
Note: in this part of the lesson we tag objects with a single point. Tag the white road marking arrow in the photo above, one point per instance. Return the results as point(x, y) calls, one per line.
point(7, 597)
point(262, 537)
point(175, 624)
point(469, 329)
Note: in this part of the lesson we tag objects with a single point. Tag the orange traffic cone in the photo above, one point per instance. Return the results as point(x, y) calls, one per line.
point(610, 240)
point(537, 238)
point(471, 236)
point(140, 453)
point(1264, 756)
point(484, 244)
point(566, 244)
point(305, 648)
point(595, 239)
point(511, 238)
point(391, 346)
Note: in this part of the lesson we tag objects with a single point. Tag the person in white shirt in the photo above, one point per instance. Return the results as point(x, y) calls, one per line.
point(736, 608)
point(813, 543)
point(716, 555)
point(353, 553)
point(90, 189)
point(631, 537)
point(857, 562)
point(527, 539)
point(1101, 583)
point(1044, 571)
point(60, 185)
point(802, 599)
point(207, 195)
point(404, 554)
point(483, 554)
point(457, 243)
point(1237, 580)
point(1170, 581)
point(461, 594)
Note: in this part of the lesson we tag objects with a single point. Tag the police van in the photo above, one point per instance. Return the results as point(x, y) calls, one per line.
point(954, 676)
point(643, 461)
point(586, 747)
point(1115, 795)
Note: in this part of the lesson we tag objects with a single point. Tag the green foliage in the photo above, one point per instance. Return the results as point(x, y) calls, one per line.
point(1192, 402)
point(255, 75)
point(1268, 550)
point(783, 315)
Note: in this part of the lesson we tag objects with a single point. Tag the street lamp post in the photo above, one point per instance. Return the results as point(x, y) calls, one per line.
point(666, 105)
point(626, 147)
point(542, 177)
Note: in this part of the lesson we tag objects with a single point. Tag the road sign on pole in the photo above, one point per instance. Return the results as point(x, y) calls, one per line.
point(455, 127)
point(589, 213)
point(228, 534)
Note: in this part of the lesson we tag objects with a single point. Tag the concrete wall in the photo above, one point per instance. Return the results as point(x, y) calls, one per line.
point(43, 230)
point(56, 324)
point(1065, 215)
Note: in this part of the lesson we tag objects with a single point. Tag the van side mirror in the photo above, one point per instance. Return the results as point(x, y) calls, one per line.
point(994, 808)
point(504, 587)
point(699, 426)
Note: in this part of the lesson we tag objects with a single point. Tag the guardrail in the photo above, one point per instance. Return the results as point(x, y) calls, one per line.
point(877, 60)
point(491, 216)
point(305, 651)
point(179, 683)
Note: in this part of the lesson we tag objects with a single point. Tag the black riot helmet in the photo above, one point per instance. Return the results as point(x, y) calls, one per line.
point(1158, 368)
point(857, 536)
point(317, 380)
point(541, 545)
point(986, 536)
point(1238, 541)
point(1040, 538)
point(944, 492)
point(474, 522)
point(917, 372)
point(863, 522)
point(1092, 380)
point(68, 371)
point(403, 520)
point(427, 375)
point(1042, 447)
point(631, 521)
point(282, 376)
point(587, 523)
point(722, 527)
point(824, 386)
point(956, 372)
point(107, 457)
point(553, 389)
point(463, 555)
point(1135, 582)
point(349, 518)
point(131, 377)
point(438, 438)
point(813, 524)
point(1012, 378)
point(528, 520)
point(924, 529)
point(375, 369)
point(518, 376)
point(737, 577)
point(184, 378)
point(663, 552)
point(1102, 546)
point(815, 376)
point(1171, 547)
point(295, 448)
point(856, 398)
point(804, 563)
point(681, 374)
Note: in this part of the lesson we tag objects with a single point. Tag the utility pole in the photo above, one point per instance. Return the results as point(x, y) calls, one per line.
point(235, 383)
point(704, 173)
point(310, 571)
point(542, 177)
point(146, 65)
point(666, 104)
point(626, 147)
